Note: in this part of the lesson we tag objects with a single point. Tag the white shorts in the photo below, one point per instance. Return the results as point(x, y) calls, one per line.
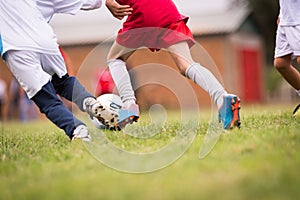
point(33, 70)
point(287, 41)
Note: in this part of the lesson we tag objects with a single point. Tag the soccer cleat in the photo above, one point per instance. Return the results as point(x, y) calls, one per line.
point(128, 115)
point(296, 112)
point(229, 113)
point(106, 116)
point(101, 126)
point(81, 132)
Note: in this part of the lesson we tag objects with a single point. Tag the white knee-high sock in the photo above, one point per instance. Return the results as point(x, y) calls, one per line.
point(121, 79)
point(207, 81)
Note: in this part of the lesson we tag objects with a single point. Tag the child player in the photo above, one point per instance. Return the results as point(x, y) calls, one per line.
point(158, 24)
point(29, 47)
point(288, 44)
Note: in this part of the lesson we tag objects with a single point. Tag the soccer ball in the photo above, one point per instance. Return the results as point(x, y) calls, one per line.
point(111, 101)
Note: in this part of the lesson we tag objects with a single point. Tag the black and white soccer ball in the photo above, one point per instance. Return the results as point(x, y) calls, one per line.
point(110, 101)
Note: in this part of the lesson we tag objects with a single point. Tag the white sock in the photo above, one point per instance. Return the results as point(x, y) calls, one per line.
point(207, 81)
point(90, 99)
point(127, 103)
point(298, 92)
point(122, 81)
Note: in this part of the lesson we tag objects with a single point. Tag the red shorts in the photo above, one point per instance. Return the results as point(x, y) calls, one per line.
point(156, 38)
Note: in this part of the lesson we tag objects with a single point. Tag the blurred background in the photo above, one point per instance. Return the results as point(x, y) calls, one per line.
point(235, 38)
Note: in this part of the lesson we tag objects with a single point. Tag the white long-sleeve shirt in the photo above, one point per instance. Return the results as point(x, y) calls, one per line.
point(22, 27)
point(24, 24)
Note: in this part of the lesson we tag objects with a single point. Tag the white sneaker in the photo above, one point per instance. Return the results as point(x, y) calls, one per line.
point(106, 116)
point(81, 132)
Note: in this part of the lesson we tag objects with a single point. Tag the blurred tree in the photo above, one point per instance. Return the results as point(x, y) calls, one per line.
point(265, 14)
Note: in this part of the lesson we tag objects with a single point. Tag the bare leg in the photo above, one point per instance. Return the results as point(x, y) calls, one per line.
point(288, 72)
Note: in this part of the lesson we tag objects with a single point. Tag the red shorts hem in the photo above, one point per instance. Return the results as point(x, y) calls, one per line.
point(156, 38)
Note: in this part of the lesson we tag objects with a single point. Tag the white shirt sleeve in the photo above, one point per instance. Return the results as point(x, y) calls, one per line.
point(67, 6)
point(49, 8)
point(91, 4)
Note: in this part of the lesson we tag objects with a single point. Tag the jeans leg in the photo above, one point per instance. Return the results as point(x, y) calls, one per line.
point(71, 89)
point(54, 109)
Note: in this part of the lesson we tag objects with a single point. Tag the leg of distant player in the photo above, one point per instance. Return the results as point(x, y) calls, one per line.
point(228, 105)
point(289, 73)
point(287, 45)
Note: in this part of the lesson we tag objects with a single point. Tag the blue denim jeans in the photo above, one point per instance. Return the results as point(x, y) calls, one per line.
point(50, 104)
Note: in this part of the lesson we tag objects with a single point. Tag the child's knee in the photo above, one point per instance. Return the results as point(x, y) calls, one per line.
point(280, 63)
point(181, 66)
point(182, 70)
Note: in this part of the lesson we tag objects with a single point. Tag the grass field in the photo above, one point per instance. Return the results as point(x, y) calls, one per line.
point(259, 161)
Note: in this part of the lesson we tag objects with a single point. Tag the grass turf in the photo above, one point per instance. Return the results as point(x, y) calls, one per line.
point(259, 161)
